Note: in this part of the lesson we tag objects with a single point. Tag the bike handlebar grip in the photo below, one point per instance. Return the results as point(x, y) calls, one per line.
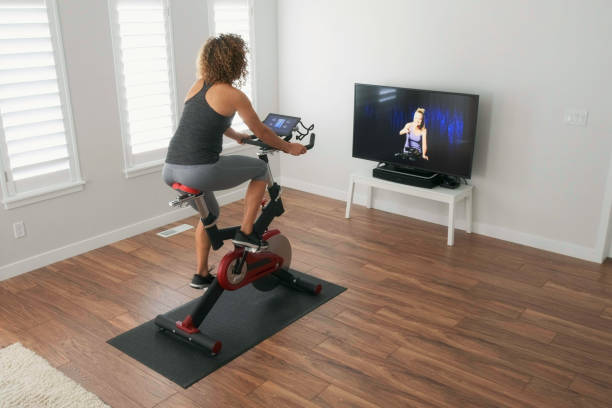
point(311, 143)
point(256, 143)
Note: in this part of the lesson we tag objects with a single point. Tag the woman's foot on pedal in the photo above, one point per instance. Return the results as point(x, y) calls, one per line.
point(201, 282)
point(250, 241)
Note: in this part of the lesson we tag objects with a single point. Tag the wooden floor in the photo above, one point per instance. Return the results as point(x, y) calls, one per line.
point(485, 323)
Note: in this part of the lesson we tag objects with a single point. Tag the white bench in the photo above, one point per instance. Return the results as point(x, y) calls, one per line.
point(445, 195)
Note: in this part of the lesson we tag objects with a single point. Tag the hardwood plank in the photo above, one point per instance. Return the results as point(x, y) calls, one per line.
point(480, 348)
point(265, 365)
point(270, 394)
point(489, 367)
point(590, 348)
point(206, 393)
point(103, 390)
point(557, 356)
point(510, 328)
point(399, 376)
point(7, 338)
point(337, 372)
point(566, 326)
point(336, 397)
point(301, 335)
point(365, 341)
point(38, 342)
point(556, 396)
point(17, 313)
point(593, 388)
point(126, 245)
point(178, 401)
point(537, 300)
point(18, 283)
point(235, 379)
point(579, 297)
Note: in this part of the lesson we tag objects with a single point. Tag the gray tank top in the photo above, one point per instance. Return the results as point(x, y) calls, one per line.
point(199, 136)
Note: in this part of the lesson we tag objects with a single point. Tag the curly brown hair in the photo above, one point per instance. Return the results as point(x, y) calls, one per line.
point(223, 59)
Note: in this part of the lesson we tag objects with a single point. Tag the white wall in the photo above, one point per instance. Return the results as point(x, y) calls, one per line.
point(537, 180)
point(112, 207)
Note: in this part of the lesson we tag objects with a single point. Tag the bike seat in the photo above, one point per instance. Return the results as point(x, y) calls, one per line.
point(185, 189)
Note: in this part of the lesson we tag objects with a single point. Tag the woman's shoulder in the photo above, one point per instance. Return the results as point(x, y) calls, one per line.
point(222, 86)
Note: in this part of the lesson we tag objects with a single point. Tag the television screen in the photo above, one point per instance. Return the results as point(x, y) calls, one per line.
point(427, 130)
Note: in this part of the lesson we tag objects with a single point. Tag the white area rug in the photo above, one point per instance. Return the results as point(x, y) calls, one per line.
point(28, 380)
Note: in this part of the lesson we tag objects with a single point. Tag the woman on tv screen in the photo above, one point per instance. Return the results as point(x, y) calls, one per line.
point(416, 136)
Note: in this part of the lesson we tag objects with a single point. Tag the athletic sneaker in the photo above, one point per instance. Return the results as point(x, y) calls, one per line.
point(200, 282)
point(249, 241)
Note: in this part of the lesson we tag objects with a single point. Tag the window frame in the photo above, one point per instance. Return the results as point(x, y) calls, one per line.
point(10, 198)
point(131, 169)
point(231, 145)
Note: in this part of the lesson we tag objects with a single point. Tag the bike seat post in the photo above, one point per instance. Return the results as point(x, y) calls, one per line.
point(201, 206)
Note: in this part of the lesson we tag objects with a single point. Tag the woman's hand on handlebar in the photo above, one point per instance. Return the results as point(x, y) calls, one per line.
point(242, 138)
point(296, 149)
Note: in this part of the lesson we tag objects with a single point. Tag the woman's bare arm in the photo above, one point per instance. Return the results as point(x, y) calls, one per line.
point(234, 134)
point(405, 129)
point(259, 129)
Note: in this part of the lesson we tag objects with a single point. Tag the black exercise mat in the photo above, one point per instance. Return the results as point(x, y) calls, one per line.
point(240, 320)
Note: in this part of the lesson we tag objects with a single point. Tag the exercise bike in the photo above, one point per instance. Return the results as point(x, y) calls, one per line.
point(409, 153)
point(241, 266)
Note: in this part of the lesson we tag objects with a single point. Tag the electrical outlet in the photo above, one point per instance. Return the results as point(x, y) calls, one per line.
point(575, 117)
point(19, 229)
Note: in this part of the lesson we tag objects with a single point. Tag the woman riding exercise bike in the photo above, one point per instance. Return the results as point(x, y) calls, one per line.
point(193, 154)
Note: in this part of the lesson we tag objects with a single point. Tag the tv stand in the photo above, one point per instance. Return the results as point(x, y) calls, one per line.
point(409, 176)
point(451, 197)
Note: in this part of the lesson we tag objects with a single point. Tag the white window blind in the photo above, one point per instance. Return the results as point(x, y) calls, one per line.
point(235, 17)
point(144, 65)
point(37, 143)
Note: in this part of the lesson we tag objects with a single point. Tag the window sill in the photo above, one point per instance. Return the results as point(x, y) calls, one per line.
point(142, 169)
point(35, 196)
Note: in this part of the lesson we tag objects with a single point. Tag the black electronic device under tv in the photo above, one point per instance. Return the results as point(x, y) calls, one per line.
point(407, 129)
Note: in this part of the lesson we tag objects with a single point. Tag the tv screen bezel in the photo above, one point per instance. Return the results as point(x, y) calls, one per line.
point(408, 166)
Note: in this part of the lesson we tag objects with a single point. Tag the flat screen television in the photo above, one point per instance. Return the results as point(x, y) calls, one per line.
point(415, 129)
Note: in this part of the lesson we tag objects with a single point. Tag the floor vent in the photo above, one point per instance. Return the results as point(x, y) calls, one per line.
point(176, 230)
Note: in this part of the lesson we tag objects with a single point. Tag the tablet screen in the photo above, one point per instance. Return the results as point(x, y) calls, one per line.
point(282, 125)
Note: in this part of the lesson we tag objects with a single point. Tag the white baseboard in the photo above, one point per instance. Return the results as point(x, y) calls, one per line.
point(493, 231)
point(77, 248)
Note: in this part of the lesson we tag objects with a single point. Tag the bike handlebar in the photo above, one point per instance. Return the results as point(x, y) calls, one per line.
point(256, 142)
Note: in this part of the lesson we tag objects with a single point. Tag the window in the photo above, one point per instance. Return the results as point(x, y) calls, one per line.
point(235, 16)
point(144, 65)
point(37, 145)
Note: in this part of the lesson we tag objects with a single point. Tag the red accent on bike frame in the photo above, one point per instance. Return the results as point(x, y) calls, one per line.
point(318, 289)
point(269, 234)
point(185, 189)
point(270, 263)
point(216, 348)
point(187, 325)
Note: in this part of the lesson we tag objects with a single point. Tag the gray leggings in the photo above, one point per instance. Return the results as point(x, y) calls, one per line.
point(227, 172)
